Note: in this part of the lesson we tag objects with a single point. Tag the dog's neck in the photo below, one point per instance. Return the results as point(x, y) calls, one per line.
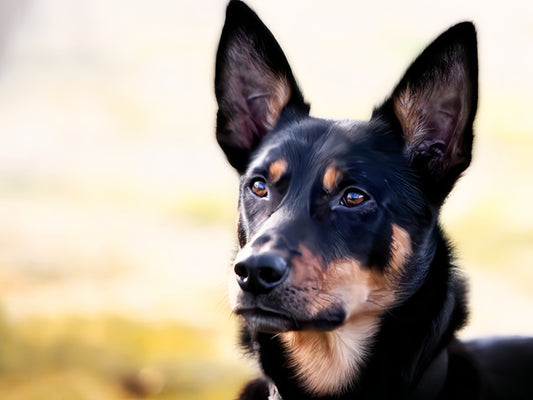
point(324, 361)
point(340, 366)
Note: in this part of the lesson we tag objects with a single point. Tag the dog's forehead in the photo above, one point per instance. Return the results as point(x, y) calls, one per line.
point(312, 143)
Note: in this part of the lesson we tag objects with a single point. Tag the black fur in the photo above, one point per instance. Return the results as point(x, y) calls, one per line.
point(400, 165)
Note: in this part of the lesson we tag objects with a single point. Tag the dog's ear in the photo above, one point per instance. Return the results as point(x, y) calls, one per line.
point(435, 104)
point(253, 84)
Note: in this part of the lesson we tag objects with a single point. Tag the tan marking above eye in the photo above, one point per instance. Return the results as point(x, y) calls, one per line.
point(332, 177)
point(277, 169)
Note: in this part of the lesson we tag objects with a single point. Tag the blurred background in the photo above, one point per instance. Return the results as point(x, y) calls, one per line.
point(117, 209)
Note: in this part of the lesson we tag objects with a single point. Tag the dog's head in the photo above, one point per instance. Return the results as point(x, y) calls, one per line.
point(337, 217)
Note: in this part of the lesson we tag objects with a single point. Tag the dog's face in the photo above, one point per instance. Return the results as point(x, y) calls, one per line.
point(324, 211)
point(333, 214)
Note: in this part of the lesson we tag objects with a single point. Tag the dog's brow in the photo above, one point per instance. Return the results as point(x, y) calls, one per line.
point(332, 177)
point(276, 169)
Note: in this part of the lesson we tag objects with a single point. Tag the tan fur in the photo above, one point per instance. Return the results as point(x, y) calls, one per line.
point(332, 176)
point(405, 108)
point(325, 362)
point(307, 269)
point(278, 98)
point(277, 169)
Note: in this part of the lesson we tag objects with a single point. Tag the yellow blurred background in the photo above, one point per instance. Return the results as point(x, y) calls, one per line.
point(117, 209)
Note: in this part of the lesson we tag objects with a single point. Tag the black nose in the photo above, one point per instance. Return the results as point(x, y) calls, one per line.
point(260, 273)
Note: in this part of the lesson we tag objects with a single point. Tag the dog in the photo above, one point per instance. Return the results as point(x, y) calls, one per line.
point(344, 280)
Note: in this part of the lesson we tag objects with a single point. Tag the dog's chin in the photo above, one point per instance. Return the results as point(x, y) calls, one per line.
point(259, 320)
point(273, 322)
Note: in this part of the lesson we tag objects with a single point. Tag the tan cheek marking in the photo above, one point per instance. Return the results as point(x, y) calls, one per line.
point(326, 362)
point(277, 169)
point(332, 176)
point(306, 268)
point(308, 271)
point(361, 291)
point(364, 291)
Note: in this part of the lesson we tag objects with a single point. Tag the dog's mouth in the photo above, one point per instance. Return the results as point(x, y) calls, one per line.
point(266, 320)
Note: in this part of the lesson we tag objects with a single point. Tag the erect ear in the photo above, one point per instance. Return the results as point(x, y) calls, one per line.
point(253, 84)
point(435, 104)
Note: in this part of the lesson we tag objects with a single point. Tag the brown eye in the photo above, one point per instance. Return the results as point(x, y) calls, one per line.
point(353, 197)
point(259, 188)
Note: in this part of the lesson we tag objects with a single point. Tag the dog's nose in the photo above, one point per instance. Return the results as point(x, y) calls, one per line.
point(260, 273)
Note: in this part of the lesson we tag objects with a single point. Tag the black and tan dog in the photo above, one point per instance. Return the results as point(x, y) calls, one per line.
point(344, 279)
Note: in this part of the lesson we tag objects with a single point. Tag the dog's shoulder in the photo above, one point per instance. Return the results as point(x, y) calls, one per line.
point(493, 368)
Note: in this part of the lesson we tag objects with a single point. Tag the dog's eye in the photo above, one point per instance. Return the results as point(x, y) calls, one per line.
point(259, 187)
point(353, 197)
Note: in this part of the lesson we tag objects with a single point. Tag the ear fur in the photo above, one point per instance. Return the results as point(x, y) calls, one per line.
point(435, 105)
point(254, 84)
